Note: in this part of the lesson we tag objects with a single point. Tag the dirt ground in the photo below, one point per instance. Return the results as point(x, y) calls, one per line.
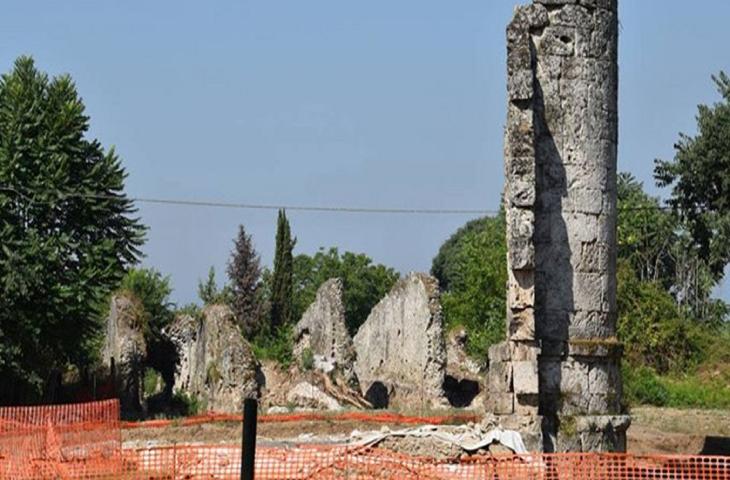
point(653, 430)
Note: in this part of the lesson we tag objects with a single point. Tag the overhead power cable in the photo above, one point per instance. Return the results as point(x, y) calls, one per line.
point(294, 208)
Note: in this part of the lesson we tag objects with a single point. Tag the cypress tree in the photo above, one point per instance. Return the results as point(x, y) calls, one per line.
point(244, 271)
point(282, 282)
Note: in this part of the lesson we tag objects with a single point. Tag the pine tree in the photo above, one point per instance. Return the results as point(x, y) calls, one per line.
point(282, 283)
point(244, 271)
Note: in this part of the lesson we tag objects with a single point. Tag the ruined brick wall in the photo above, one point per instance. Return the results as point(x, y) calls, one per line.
point(561, 358)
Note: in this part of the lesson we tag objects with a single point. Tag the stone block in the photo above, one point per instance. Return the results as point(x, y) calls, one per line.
point(594, 257)
point(549, 376)
point(552, 326)
point(500, 403)
point(521, 253)
point(604, 377)
point(574, 377)
point(500, 352)
point(588, 291)
point(557, 41)
point(527, 405)
point(521, 324)
point(586, 324)
point(570, 15)
point(524, 352)
point(525, 380)
point(499, 377)
point(595, 348)
point(520, 84)
point(521, 191)
point(521, 290)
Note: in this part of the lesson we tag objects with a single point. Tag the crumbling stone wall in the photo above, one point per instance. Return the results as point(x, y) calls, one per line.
point(401, 356)
point(124, 352)
point(322, 330)
point(217, 365)
point(561, 359)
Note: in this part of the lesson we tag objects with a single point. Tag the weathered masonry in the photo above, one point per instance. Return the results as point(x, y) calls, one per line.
point(557, 376)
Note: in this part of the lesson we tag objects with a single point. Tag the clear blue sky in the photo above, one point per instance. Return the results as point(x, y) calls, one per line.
point(329, 102)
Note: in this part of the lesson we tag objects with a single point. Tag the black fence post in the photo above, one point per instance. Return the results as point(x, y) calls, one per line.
point(248, 449)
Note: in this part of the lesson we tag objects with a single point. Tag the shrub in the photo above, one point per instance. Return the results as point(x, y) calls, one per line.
point(642, 387)
point(186, 404)
point(307, 360)
point(276, 346)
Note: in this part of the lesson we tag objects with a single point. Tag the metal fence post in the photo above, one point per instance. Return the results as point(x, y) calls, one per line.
point(248, 449)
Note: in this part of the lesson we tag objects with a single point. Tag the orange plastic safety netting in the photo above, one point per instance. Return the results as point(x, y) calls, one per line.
point(338, 462)
point(84, 442)
point(39, 442)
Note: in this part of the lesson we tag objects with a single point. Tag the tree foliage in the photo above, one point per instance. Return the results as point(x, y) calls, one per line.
point(472, 264)
point(282, 287)
point(700, 179)
point(244, 273)
point(67, 230)
point(658, 246)
point(654, 330)
point(364, 282)
point(152, 290)
point(209, 292)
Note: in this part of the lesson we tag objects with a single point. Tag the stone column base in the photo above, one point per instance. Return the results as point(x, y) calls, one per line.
point(586, 433)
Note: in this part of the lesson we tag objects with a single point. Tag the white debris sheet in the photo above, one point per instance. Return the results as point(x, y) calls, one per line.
point(467, 438)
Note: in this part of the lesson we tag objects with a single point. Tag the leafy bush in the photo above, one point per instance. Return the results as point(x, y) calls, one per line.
point(642, 387)
point(276, 346)
point(153, 291)
point(185, 404)
point(364, 282)
point(307, 360)
point(150, 382)
point(654, 330)
point(472, 266)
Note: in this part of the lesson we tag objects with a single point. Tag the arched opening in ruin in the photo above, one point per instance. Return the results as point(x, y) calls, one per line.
point(460, 392)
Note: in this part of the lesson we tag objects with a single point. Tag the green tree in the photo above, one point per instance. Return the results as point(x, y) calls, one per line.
point(67, 229)
point(364, 283)
point(244, 272)
point(210, 294)
point(659, 248)
point(654, 330)
point(700, 179)
point(282, 287)
point(153, 290)
point(473, 265)
point(646, 233)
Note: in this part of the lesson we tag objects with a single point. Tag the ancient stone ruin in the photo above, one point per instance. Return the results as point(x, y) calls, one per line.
point(217, 365)
point(124, 352)
point(401, 359)
point(557, 376)
point(322, 333)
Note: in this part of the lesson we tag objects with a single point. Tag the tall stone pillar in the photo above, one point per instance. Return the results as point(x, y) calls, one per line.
point(557, 376)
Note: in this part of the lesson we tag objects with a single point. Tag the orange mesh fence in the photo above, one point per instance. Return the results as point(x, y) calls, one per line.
point(36, 439)
point(83, 442)
point(340, 462)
